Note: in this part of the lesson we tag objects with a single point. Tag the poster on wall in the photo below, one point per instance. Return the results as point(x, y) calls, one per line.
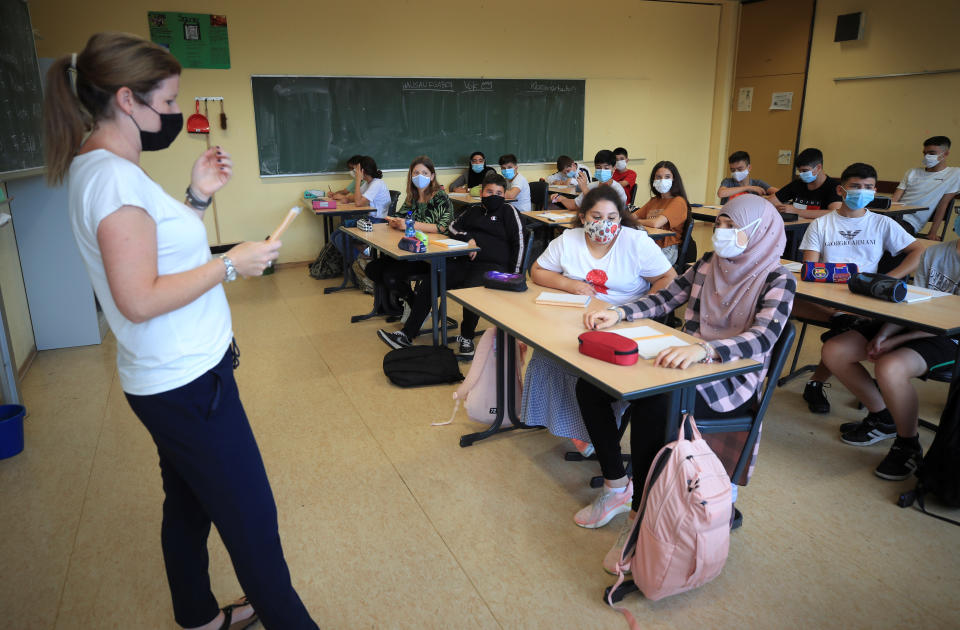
point(745, 99)
point(782, 101)
point(197, 40)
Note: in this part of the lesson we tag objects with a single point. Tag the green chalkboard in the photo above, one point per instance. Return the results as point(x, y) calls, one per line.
point(313, 124)
point(21, 94)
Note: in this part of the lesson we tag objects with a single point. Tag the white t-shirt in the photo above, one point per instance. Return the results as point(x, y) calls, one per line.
point(863, 240)
point(378, 195)
point(615, 185)
point(522, 201)
point(560, 177)
point(168, 350)
point(923, 188)
point(619, 276)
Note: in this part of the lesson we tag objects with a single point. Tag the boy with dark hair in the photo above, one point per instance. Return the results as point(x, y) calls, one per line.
point(494, 226)
point(899, 355)
point(567, 172)
point(852, 234)
point(740, 182)
point(812, 195)
point(518, 188)
point(933, 186)
point(622, 175)
point(603, 163)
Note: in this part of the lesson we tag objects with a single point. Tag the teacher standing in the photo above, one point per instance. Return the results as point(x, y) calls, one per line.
point(162, 294)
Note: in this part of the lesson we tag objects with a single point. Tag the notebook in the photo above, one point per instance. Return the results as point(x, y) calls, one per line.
point(916, 294)
point(563, 299)
point(649, 340)
point(448, 242)
point(795, 267)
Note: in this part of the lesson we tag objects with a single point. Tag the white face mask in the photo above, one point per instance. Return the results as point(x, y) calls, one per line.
point(740, 175)
point(726, 241)
point(662, 186)
point(621, 165)
point(930, 160)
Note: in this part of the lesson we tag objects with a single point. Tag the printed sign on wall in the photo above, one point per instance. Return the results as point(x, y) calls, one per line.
point(197, 40)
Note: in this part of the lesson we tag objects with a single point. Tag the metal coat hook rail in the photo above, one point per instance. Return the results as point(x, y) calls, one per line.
point(897, 74)
point(208, 98)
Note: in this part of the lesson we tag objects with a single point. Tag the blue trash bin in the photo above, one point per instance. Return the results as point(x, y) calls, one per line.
point(11, 430)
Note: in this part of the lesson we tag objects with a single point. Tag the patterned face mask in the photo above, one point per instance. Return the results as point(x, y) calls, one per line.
point(602, 231)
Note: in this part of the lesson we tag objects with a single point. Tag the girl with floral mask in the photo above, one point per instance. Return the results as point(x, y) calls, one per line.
point(738, 301)
point(608, 260)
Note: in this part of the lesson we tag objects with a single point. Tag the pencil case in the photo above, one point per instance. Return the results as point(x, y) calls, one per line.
point(412, 244)
point(837, 273)
point(609, 347)
point(503, 281)
point(323, 204)
point(879, 286)
point(789, 216)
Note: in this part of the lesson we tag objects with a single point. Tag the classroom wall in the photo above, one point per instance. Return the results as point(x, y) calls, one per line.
point(883, 121)
point(771, 57)
point(650, 69)
point(14, 294)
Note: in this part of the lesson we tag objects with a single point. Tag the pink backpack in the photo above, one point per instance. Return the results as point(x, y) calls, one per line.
point(681, 535)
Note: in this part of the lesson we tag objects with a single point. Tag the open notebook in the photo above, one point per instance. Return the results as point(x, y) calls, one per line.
point(650, 341)
point(563, 299)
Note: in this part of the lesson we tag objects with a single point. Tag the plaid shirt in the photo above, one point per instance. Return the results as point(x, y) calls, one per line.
point(773, 310)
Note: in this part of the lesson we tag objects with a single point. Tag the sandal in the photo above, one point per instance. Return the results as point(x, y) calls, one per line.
point(239, 625)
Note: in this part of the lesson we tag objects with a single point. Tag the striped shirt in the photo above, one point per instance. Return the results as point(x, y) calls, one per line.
point(773, 310)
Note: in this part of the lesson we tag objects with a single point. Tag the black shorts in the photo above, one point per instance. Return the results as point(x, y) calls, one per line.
point(937, 352)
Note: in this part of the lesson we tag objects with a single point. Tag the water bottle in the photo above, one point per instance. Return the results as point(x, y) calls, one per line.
point(410, 230)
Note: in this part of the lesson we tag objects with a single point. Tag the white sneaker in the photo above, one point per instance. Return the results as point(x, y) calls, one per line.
point(607, 505)
point(613, 556)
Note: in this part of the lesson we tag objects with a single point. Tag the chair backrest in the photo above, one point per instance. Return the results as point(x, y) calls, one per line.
point(528, 252)
point(681, 264)
point(633, 195)
point(948, 218)
point(778, 357)
point(538, 195)
point(394, 198)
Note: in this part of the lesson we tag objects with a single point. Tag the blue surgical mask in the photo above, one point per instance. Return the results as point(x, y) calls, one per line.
point(858, 198)
point(509, 173)
point(572, 175)
point(477, 168)
point(807, 177)
point(420, 181)
point(604, 174)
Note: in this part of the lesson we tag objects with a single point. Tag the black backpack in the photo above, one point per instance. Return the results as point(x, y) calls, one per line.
point(329, 264)
point(939, 473)
point(421, 365)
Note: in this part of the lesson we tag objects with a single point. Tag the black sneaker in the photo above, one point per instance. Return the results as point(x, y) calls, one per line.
point(901, 462)
point(395, 340)
point(847, 427)
point(816, 400)
point(466, 347)
point(870, 431)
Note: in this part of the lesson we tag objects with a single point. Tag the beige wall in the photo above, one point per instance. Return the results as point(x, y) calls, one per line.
point(883, 121)
point(650, 69)
point(771, 57)
point(14, 295)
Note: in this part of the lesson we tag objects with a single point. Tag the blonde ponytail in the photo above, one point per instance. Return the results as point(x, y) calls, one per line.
point(80, 88)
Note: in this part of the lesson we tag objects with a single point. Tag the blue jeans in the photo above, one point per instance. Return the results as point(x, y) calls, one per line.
point(212, 473)
point(341, 241)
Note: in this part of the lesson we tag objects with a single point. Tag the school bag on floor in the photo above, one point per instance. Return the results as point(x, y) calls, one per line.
point(479, 390)
point(939, 472)
point(329, 264)
point(681, 535)
point(415, 366)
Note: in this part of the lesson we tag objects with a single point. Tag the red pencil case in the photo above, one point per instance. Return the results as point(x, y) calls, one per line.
point(323, 204)
point(609, 347)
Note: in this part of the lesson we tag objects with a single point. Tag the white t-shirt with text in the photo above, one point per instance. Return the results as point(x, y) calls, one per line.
point(924, 188)
point(861, 240)
point(172, 349)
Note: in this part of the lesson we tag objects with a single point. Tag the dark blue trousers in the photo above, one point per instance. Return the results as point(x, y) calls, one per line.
point(212, 472)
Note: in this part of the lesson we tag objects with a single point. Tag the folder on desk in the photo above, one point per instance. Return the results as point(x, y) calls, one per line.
point(563, 299)
point(448, 242)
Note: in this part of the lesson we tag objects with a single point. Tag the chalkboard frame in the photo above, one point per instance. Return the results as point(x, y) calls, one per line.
point(575, 87)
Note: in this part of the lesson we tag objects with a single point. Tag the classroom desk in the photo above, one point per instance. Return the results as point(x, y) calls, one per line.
point(565, 190)
point(537, 215)
point(553, 330)
point(463, 199)
point(897, 210)
point(384, 239)
point(342, 210)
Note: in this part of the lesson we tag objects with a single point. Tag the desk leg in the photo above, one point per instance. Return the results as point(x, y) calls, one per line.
point(442, 286)
point(506, 400)
point(347, 262)
point(378, 308)
point(434, 309)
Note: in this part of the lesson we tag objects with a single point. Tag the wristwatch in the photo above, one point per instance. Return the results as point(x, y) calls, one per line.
point(194, 202)
point(231, 274)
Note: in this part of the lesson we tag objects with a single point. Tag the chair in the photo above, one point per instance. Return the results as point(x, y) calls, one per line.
point(683, 250)
point(538, 195)
point(633, 195)
point(528, 251)
point(794, 372)
point(947, 223)
point(394, 198)
point(748, 423)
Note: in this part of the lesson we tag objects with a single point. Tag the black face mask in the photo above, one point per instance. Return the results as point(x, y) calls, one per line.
point(493, 202)
point(170, 126)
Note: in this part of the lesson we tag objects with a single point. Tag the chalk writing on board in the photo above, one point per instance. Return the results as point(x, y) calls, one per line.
point(550, 86)
point(429, 85)
point(474, 85)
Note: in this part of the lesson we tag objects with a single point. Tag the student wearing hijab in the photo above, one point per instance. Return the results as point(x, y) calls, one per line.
point(738, 301)
point(473, 176)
